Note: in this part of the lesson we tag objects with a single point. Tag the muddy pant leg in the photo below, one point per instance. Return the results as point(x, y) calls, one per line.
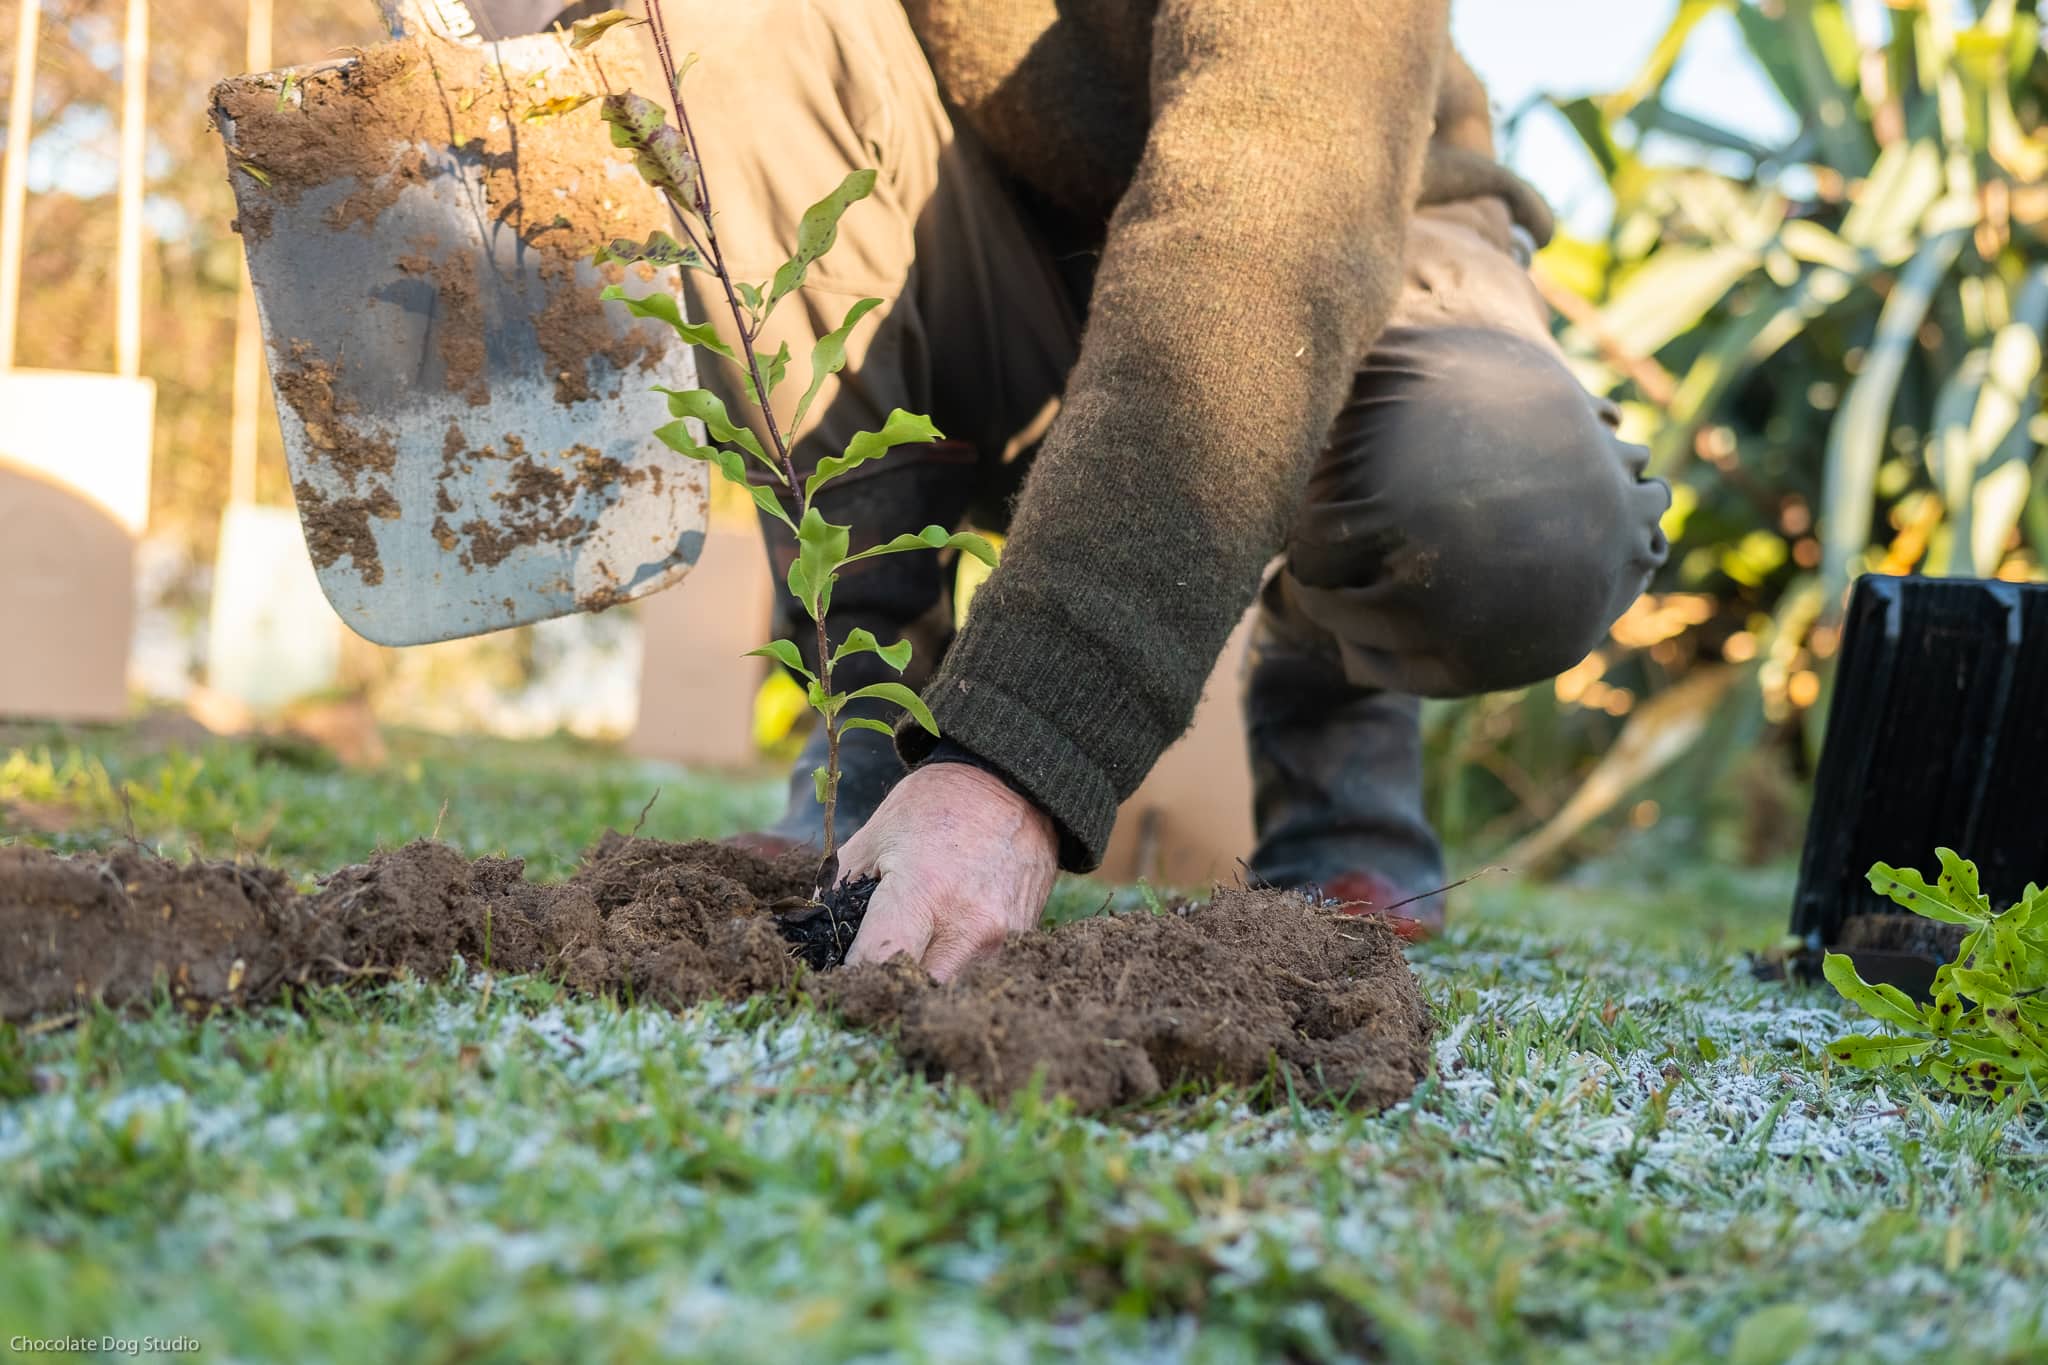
point(790, 97)
point(1336, 767)
point(1474, 526)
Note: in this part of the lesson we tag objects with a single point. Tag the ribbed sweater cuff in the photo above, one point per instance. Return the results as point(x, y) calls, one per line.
point(1072, 745)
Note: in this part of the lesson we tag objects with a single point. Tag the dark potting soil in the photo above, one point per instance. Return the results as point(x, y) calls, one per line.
point(820, 933)
point(1112, 1010)
point(1902, 933)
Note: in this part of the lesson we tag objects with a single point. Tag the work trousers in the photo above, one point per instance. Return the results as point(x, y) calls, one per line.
point(1474, 522)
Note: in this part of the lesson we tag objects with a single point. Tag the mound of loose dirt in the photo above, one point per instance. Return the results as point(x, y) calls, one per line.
point(1111, 1010)
point(1119, 1008)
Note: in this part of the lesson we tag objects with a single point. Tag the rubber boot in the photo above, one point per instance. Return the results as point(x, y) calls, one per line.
point(1336, 779)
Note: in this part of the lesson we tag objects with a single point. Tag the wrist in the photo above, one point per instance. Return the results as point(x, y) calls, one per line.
point(974, 775)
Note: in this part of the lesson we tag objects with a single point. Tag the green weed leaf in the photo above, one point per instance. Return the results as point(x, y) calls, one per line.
point(868, 723)
point(863, 641)
point(816, 233)
point(1887, 1004)
point(828, 357)
point(2000, 1040)
point(1959, 884)
point(1861, 1050)
point(821, 783)
point(1911, 890)
point(1986, 988)
point(903, 697)
point(901, 428)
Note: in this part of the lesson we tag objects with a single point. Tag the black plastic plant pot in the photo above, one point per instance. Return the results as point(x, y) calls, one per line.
point(1937, 737)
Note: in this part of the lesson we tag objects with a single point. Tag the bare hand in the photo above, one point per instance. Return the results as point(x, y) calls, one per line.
point(964, 862)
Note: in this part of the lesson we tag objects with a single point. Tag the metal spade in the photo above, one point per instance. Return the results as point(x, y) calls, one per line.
point(466, 422)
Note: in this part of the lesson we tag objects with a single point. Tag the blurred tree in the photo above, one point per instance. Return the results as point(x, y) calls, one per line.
point(1833, 347)
point(191, 272)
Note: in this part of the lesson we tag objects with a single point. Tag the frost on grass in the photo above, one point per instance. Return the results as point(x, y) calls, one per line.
point(1618, 1156)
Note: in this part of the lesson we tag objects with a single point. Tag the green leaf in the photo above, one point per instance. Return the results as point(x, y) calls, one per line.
point(665, 308)
point(749, 295)
point(584, 32)
point(821, 782)
point(772, 370)
point(678, 437)
point(554, 108)
point(828, 357)
point(1997, 1051)
point(1667, 296)
point(863, 641)
point(1986, 988)
point(1911, 890)
point(683, 69)
point(821, 549)
point(785, 653)
point(901, 428)
point(1886, 1004)
point(659, 152)
point(1862, 1050)
point(868, 723)
point(709, 409)
point(658, 250)
point(2004, 1024)
point(816, 233)
point(1771, 1335)
point(1959, 883)
point(1861, 432)
point(1657, 69)
point(933, 538)
point(903, 697)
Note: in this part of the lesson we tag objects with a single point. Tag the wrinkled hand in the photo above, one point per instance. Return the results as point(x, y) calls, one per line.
point(964, 862)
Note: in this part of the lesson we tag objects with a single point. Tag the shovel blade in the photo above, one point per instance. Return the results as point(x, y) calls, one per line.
point(466, 422)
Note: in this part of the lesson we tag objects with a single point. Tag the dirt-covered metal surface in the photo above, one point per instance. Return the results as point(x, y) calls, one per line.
point(420, 219)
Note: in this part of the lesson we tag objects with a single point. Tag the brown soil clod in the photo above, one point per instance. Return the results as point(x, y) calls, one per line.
point(1254, 987)
point(340, 527)
point(333, 420)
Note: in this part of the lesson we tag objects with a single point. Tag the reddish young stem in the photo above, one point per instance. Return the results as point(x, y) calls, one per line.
point(709, 249)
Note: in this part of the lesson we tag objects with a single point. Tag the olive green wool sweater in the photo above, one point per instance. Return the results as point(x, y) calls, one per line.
point(1255, 162)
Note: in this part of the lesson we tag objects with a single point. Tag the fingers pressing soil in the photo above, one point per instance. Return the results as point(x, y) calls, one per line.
point(1113, 1010)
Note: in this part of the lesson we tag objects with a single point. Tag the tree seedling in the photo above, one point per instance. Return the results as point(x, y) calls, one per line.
point(668, 159)
point(1985, 1032)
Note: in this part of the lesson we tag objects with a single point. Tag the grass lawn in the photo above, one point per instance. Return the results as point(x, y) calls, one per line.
point(1630, 1150)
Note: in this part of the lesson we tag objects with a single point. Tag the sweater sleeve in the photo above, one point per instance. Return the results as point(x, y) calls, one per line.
point(1246, 271)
